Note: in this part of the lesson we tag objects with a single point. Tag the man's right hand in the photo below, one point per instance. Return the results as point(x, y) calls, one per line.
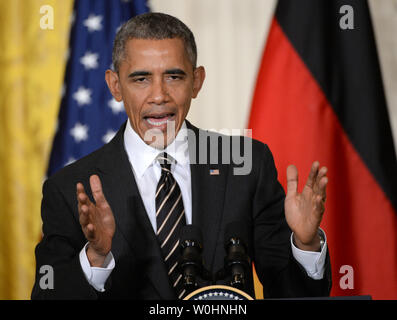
point(97, 221)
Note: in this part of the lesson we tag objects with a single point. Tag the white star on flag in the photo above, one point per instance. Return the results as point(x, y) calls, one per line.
point(93, 23)
point(108, 136)
point(116, 106)
point(82, 96)
point(79, 132)
point(89, 60)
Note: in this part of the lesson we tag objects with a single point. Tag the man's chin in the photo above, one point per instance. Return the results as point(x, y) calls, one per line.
point(160, 138)
point(160, 141)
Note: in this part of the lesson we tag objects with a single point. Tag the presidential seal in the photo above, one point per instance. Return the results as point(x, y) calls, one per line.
point(218, 292)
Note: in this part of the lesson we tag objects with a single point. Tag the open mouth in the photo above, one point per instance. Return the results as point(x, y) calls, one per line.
point(159, 120)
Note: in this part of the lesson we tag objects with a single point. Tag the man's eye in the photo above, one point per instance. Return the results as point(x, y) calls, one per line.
point(174, 77)
point(140, 79)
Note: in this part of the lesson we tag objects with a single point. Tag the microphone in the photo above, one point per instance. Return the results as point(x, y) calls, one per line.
point(237, 261)
point(191, 263)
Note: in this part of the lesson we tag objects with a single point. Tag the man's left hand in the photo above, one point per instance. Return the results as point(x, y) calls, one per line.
point(304, 211)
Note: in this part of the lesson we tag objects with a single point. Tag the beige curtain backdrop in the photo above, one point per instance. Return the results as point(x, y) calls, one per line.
point(230, 36)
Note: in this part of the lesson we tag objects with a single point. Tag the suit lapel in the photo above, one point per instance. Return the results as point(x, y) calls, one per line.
point(132, 221)
point(208, 191)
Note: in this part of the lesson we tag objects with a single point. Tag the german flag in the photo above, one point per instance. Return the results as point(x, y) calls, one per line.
point(319, 96)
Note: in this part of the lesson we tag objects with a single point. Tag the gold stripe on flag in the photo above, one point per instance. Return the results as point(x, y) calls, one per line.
point(34, 39)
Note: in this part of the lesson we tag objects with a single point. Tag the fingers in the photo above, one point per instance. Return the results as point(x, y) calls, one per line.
point(96, 188)
point(313, 174)
point(83, 209)
point(321, 182)
point(317, 181)
point(321, 173)
point(80, 191)
point(91, 215)
point(320, 205)
point(316, 184)
point(82, 197)
point(83, 204)
point(292, 180)
point(322, 185)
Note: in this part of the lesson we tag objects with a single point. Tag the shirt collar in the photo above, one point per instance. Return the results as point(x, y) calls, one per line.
point(142, 155)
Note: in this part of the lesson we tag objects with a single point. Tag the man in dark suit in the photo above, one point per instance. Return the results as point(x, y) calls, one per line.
point(111, 219)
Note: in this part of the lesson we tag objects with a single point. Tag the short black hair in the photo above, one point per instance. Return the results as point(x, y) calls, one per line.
point(156, 26)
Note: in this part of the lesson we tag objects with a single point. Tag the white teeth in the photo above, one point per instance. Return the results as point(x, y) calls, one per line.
point(157, 123)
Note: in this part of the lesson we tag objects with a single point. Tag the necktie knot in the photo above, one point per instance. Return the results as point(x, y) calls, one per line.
point(165, 161)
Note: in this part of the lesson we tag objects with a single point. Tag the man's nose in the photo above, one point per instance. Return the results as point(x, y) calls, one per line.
point(159, 92)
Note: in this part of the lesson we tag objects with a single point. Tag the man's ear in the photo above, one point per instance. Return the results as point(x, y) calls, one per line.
point(112, 79)
point(198, 80)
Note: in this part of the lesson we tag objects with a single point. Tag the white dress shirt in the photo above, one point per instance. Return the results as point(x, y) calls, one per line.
point(147, 172)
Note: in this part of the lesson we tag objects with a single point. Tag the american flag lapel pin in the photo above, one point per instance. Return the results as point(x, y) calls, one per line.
point(214, 172)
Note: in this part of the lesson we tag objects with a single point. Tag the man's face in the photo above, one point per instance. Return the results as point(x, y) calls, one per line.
point(156, 82)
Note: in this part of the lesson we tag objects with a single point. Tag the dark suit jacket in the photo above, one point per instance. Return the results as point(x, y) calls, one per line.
point(256, 199)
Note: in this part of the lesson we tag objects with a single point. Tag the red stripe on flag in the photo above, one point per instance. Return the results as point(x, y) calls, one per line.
point(291, 114)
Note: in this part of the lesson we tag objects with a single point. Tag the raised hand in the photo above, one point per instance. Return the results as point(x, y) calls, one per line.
point(304, 211)
point(96, 220)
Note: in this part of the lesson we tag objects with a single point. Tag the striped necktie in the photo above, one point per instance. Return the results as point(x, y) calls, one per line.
point(170, 217)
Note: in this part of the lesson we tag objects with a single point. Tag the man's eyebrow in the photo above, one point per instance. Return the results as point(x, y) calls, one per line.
point(175, 71)
point(147, 73)
point(138, 73)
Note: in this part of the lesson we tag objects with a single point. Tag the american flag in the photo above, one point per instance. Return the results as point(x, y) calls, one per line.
point(89, 116)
